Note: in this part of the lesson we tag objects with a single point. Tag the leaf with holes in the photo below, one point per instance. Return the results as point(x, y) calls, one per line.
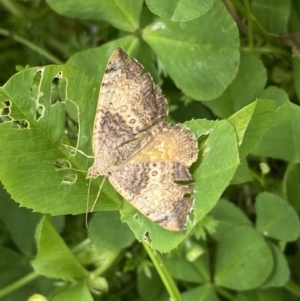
point(35, 166)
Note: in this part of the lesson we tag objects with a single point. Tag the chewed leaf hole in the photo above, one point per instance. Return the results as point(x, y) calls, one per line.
point(5, 108)
point(147, 238)
point(139, 219)
point(5, 111)
point(41, 70)
point(58, 89)
point(39, 113)
point(34, 90)
point(62, 164)
point(71, 129)
point(59, 74)
point(20, 124)
point(69, 179)
point(5, 117)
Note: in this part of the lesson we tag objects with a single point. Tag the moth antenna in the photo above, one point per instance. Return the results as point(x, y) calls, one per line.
point(95, 202)
point(87, 204)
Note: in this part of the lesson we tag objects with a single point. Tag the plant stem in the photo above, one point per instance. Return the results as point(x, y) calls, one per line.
point(250, 26)
point(12, 7)
point(293, 287)
point(237, 4)
point(30, 45)
point(225, 293)
point(267, 49)
point(163, 273)
point(81, 246)
point(17, 284)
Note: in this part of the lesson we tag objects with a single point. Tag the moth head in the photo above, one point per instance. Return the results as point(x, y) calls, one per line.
point(92, 173)
point(101, 167)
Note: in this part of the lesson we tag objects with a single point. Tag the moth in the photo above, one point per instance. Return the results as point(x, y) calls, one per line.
point(142, 156)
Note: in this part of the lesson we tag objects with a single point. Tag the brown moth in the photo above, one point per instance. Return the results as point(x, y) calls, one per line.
point(142, 156)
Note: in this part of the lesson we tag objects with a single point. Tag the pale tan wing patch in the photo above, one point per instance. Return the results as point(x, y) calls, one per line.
point(170, 143)
point(151, 188)
point(129, 104)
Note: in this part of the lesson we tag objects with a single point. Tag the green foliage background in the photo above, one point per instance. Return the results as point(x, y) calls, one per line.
point(230, 71)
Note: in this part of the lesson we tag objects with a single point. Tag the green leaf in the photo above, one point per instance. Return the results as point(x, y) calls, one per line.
point(107, 231)
point(228, 216)
point(54, 259)
point(282, 139)
point(251, 122)
point(21, 222)
point(239, 263)
point(13, 267)
point(294, 22)
point(85, 60)
point(77, 292)
point(181, 269)
point(89, 254)
point(242, 173)
point(29, 169)
point(244, 89)
point(204, 292)
point(291, 185)
point(201, 56)
point(274, 93)
point(296, 73)
point(153, 281)
point(179, 10)
point(192, 270)
point(272, 15)
point(280, 273)
point(276, 218)
point(219, 162)
point(120, 14)
point(148, 59)
point(274, 294)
